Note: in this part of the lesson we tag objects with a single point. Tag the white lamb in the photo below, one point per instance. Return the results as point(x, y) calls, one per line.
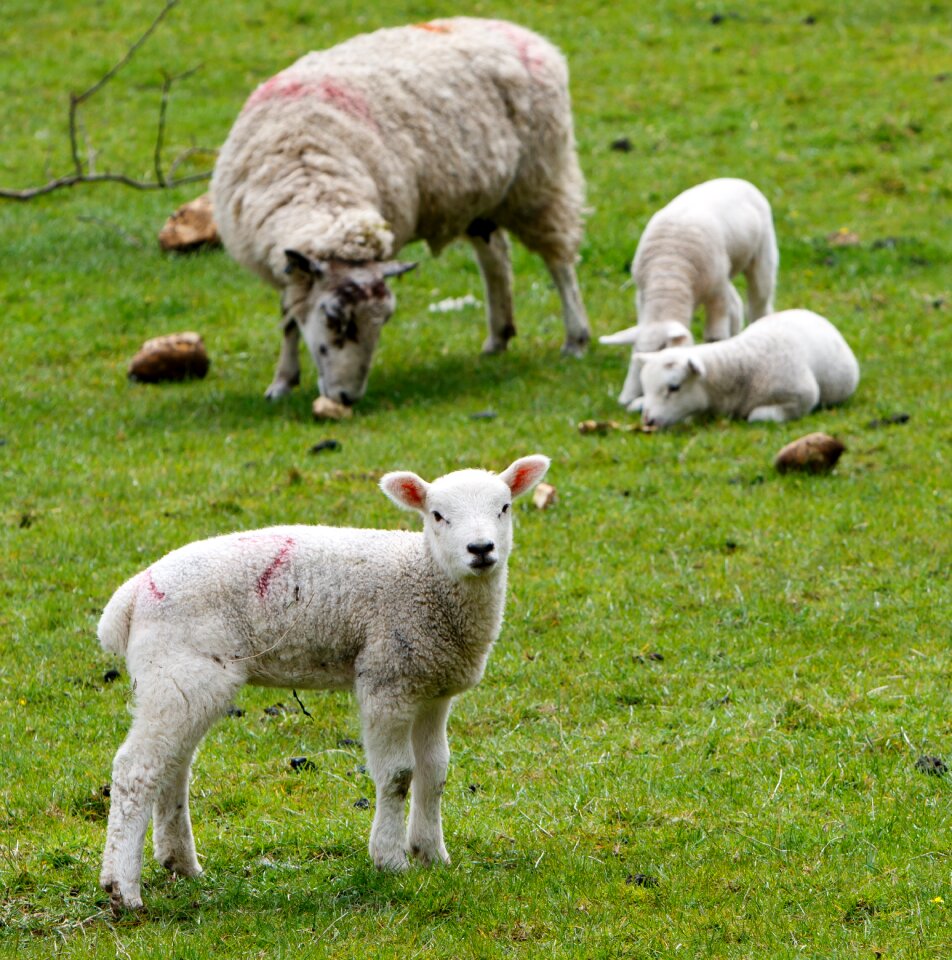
point(405, 620)
point(779, 368)
point(452, 128)
point(686, 258)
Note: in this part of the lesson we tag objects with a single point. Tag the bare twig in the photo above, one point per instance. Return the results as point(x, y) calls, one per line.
point(80, 174)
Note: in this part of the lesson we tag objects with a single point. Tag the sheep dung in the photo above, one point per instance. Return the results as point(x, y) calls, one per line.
point(326, 409)
point(544, 496)
point(191, 227)
point(177, 356)
point(814, 453)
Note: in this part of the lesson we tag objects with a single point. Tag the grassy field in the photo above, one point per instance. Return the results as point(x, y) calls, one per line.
point(698, 733)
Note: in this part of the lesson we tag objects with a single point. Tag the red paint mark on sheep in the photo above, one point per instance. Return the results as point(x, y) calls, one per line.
point(527, 46)
point(288, 86)
point(264, 581)
point(154, 592)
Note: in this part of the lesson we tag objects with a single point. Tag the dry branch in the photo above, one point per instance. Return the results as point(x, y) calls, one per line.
point(81, 174)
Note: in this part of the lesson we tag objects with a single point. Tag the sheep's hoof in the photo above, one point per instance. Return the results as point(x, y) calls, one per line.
point(492, 345)
point(277, 390)
point(575, 347)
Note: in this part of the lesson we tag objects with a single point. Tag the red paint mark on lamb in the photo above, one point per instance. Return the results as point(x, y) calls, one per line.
point(152, 591)
point(432, 27)
point(531, 52)
point(264, 581)
point(290, 86)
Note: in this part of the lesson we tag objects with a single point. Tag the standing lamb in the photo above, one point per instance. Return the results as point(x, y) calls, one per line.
point(405, 620)
point(457, 127)
point(686, 257)
point(780, 368)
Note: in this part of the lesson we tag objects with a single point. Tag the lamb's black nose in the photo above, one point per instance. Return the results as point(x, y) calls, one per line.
point(481, 550)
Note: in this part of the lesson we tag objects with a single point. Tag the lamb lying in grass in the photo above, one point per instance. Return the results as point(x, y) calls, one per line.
point(453, 128)
point(686, 257)
point(779, 368)
point(405, 620)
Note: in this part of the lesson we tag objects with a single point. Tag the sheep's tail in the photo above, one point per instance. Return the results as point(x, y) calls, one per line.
point(116, 619)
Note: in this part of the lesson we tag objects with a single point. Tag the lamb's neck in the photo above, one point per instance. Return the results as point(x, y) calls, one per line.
point(473, 606)
point(729, 370)
point(667, 294)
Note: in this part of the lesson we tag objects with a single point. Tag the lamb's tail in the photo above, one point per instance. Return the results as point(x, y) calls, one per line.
point(116, 619)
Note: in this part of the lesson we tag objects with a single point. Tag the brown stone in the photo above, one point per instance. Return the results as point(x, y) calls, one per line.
point(177, 356)
point(544, 496)
point(814, 453)
point(326, 409)
point(191, 227)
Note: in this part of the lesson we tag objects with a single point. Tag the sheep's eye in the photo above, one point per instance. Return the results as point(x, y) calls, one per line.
point(505, 509)
point(437, 516)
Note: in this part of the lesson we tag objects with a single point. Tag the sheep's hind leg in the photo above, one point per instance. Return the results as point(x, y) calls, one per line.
point(287, 374)
point(577, 331)
point(173, 711)
point(431, 754)
point(491, 246)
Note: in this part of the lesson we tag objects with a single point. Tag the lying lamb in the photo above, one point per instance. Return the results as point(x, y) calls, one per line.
point(406, 620)
point(780, 368)
point(452, 128)
point(686, 257)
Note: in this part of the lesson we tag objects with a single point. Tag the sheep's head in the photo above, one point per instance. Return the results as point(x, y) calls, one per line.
point(645, 338)
point(673, 384)
point(467, 515)
point(342, 314)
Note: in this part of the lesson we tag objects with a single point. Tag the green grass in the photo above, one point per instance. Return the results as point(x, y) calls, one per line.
point(763, 771)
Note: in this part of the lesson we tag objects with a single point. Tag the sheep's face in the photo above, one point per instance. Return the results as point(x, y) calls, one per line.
point(645, 338)
point(343, 312)
point(467, 515)
point(673, 384)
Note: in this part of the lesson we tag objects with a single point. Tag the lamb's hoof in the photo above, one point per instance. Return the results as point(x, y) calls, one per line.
point(575, 347)
point(635, 406)
point(430, 857)
point(119, 902)
point(181, 868)
point(392, 863)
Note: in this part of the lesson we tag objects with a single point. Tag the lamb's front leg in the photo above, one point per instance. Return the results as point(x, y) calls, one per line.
point(431, 753)
point(390, 759)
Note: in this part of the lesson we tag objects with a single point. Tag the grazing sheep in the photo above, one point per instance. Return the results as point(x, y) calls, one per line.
point(405, 620)
point(779, 368)
point(452, 128)
point(686, 257)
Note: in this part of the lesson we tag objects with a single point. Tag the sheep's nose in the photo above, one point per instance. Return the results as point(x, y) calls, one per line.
point(481, 550)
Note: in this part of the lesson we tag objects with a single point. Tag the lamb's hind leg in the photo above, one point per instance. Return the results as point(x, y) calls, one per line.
point(172, 838)
point(491, 246)
point(724, 314)
point(175, 706)
point(761, 280)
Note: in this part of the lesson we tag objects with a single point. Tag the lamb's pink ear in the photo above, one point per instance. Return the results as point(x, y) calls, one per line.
point(677, 335)
point(696, 366)
point(405, 489)
point(525, 473)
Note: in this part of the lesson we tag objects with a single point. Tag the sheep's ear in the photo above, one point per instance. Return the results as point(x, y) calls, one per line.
point(298, 262)
point(396, 268)
point(626, 337)
point(525, 473)
point(405, 489)
point(696, 366)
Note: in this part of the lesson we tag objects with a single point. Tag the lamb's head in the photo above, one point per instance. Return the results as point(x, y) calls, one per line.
point(673, 384)
point(645, 338)
point(467, 515)
point(342, 312)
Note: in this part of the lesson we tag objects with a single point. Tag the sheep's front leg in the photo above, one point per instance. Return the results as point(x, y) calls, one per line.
point(491, 246)
point(431, 753)
point(390, 760)
point(577, 332)
point(287, 374)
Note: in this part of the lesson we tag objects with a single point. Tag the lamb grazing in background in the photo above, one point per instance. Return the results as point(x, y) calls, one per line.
point(452, 128)
point(780, 368)
point(686, 257)
point(405, 620)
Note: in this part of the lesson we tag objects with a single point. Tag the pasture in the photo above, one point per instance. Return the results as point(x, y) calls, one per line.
point(698, 734)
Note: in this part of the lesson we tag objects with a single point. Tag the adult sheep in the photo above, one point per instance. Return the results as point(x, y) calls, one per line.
point(453, 128)
point(686, 257)
point(405, 620)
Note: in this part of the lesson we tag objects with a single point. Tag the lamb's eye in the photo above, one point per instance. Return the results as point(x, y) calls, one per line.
point(674, 387)
point(437, 516)
point(505, 509)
